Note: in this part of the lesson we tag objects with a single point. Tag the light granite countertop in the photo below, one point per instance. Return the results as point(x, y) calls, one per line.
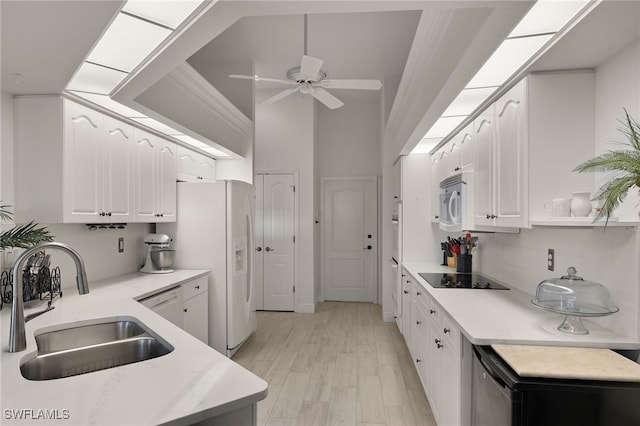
point(507, 316)
point(191, 384)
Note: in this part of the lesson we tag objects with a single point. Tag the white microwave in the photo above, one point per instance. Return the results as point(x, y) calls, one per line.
point(455, 211)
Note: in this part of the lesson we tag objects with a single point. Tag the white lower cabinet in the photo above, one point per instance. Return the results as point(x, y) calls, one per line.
point(435, 345)
point(196, 308)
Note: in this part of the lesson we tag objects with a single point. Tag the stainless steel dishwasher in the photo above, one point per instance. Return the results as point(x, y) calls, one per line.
point(167, 304)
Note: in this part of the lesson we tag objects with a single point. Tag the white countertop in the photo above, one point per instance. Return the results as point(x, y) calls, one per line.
point(507, 316)
point(192, 383)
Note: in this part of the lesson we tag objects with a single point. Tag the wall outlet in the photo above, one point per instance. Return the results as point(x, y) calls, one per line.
point(120, 245)
point(551, 259)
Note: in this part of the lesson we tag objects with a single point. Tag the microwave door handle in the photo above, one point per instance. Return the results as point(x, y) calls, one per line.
point(453, 208)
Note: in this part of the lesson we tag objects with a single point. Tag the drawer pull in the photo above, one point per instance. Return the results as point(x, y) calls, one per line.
point(406, 291)
point(418, 360)
point(432, 311)
point(446, 330)
point(418, 322)
point(418, 293)
point(197, 287)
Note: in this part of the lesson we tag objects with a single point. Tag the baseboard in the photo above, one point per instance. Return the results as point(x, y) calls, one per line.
point(306, 308)
point(388, 317)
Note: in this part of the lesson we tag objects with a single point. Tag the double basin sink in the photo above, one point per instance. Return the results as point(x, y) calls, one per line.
point(92, 346)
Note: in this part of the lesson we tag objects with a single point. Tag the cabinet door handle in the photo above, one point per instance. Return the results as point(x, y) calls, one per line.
point(488, 216)
point(367, 248)
point(436, 341)
point(418, 322)
point(268, 249)
point(109, 214)
point(439, 346)
point(418, 293)
point(418, 360)
point(432, 311)
point(405, 291)
point(102, 213)
point(446, 330)
point(197, 287)
point(185, 309)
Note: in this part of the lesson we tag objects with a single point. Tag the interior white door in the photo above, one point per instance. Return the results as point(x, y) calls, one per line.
point(278, 237)
point(349, 239)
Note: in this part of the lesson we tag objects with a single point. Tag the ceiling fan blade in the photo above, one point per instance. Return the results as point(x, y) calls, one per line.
point(275, 98)
point(258, 78)
point(326, 98)
point(310, 67)
point(351, 84)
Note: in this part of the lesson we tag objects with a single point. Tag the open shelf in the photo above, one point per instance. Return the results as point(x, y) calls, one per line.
point(581, 222)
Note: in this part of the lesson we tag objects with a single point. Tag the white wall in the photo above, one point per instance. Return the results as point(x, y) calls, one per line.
point(284, 143)
point(348, 139)
point(99, 248)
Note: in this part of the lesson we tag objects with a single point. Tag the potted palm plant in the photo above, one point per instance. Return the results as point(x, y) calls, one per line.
point(625, 162)
point(21, 236)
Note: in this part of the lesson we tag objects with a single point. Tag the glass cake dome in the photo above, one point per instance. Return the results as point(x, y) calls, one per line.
point(574, 297)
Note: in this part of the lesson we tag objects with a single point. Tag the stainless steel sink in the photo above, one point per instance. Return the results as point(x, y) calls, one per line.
point(87, 348)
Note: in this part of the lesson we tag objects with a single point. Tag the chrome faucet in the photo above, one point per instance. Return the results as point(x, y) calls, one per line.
point(17, 336)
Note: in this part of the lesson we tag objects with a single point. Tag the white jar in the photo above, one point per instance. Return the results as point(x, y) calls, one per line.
point(581, 204)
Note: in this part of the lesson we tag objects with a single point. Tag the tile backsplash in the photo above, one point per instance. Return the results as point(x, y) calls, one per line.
point(609, 257)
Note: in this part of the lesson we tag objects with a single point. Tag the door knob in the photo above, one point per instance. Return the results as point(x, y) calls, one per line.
point(258, 248)
point(268, 249)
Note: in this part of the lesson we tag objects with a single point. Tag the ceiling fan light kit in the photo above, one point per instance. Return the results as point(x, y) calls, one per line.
point(310, 79)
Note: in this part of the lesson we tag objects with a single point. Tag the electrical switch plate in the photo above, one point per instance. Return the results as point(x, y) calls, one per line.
point(551, 259)
point(120, 245)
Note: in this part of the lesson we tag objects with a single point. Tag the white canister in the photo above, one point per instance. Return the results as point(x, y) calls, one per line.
point(559, 207)
point(581, 204)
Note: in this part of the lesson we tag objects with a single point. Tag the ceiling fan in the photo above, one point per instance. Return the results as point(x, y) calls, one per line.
point(310, 79)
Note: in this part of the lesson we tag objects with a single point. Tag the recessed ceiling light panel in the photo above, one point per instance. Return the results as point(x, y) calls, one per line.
point(548, 16)
point(507, 59)
point(127, 42)
point(95, 79)
point(468, 100)
point(168, 13)
point(444, 126)
point(156, 125)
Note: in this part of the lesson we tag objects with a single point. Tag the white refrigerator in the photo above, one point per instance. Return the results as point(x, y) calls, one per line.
point(214, 230)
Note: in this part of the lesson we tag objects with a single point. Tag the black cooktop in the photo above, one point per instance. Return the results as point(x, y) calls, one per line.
point(459, 280)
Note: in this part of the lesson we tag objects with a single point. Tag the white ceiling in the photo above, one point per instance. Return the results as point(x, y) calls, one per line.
point(371, 45)
point(46, 41)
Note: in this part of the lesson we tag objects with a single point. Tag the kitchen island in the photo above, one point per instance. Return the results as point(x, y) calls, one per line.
point(192, 384)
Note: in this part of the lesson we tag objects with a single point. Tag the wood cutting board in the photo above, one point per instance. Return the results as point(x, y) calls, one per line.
point(568, 363)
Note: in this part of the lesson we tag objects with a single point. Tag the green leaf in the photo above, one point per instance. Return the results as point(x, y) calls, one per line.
point(24, 236)
point(626, 162)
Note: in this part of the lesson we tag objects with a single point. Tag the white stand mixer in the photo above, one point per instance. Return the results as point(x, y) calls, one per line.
point(159, 257)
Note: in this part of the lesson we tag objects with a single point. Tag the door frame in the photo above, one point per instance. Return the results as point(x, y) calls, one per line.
point(296, 227)
point(376, 181)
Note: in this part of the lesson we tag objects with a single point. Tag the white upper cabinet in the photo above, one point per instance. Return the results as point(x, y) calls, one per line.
point(484, 126)
point(195, 167)
point(465, 141)
point(84, 140)
point(510, 203)
point(156, 170)
point(500, 161)
point(118, 171)
point(81, 166)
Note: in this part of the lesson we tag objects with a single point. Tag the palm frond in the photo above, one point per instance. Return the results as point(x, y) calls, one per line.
point(626, 162)
point(612, 194)
point(5, 214)
point(24, 236)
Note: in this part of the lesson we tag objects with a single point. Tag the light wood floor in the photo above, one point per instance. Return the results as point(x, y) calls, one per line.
point(340, 366)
